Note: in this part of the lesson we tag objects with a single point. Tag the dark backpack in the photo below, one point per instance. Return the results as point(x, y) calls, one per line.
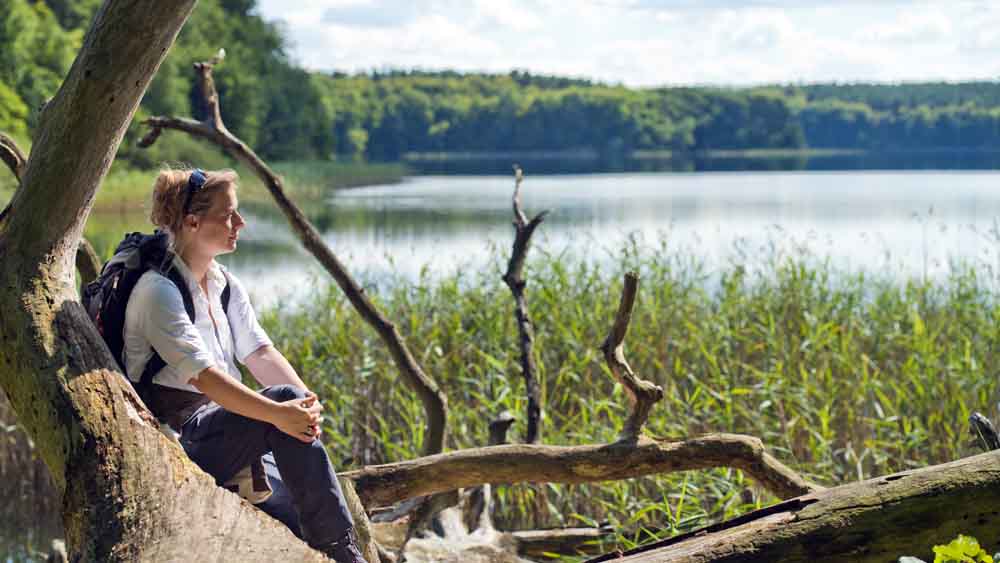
point(106, 297)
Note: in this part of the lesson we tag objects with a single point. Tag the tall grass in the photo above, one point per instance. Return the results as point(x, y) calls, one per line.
point(843, 375)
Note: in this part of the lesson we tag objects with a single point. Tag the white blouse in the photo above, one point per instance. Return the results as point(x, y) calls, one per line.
point(155, 318)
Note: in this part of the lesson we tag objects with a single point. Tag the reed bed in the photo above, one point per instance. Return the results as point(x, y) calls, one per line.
point(843, 375)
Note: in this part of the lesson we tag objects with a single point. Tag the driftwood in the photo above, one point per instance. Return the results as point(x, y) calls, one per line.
point(642, 394)
point(872, 521)
point(214, 130)
point(523, 229)
point(381, 485)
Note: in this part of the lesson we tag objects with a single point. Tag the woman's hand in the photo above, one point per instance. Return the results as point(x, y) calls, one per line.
point(299, 418)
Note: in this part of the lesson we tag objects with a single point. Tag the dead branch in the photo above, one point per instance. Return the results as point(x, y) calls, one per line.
point(213, 129)
point(523, 229)
point(12, 156)
point(88, 264)
point(866, 522)
point(382, 485)
point(642, 394)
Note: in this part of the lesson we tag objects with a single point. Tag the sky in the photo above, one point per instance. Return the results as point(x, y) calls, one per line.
point(652, 42)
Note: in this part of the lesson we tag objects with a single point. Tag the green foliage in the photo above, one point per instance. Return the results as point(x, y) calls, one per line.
point(13, 112)
point(287, 113)
point(36, 52)
point(963, 549)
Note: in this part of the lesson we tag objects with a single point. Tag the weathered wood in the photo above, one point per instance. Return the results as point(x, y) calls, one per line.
point(514, 278)
point(12, 155)
point(88, 264)
point(214, 130)
point(128, 493)
point(382, 485)
point(642, 394)
point(566, 541)
point(872, 521)
point(14, 158)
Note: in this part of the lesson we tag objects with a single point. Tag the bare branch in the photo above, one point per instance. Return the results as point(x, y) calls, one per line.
point(87, 262)
point(211, 111)
point(382, 485)
point(523, 229)
point(12, 156)
point(642, 394)
point(213, 129)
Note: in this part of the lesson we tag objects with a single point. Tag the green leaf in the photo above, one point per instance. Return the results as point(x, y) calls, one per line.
point(963, 549)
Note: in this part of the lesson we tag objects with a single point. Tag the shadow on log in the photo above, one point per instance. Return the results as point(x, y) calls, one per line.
point(872, 521)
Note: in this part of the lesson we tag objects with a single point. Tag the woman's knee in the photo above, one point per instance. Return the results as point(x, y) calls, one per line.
point(281, 393)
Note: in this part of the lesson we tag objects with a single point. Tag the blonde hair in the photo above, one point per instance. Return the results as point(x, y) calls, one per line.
point(170, 191)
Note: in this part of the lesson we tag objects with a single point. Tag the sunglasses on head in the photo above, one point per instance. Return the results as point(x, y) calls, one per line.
point(196, 181)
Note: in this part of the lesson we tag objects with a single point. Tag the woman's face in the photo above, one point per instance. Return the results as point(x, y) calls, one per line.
point(218, 229)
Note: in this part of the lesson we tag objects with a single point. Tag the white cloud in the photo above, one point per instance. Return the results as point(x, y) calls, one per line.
point(651, 42)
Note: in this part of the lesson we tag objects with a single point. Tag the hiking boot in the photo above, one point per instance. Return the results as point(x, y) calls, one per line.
point(343, 550)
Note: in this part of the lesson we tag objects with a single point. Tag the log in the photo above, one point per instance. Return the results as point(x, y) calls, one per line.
point(382, 485)
point(872, 521)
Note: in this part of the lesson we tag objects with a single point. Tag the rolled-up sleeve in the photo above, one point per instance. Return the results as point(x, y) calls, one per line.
point(248, 335)
point(169, 330)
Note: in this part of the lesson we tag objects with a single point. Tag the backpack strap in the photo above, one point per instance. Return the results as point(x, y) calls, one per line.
point(156, 363)
point(225, 295)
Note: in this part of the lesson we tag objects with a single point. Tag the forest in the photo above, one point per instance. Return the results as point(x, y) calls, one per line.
point(288, 112)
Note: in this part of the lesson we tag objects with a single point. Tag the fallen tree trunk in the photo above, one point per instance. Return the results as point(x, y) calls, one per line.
point(381, 485)
point(877, 520)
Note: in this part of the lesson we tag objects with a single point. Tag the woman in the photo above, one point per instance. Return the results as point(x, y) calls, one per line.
point(223, 425)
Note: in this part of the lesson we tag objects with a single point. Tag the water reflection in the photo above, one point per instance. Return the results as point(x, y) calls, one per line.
point(897, 223)
point(719, 161)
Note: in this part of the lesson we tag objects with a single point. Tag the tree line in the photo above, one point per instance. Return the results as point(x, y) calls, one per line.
point(287, 112)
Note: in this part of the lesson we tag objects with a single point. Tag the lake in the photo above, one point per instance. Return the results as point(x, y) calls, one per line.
point(899, 223)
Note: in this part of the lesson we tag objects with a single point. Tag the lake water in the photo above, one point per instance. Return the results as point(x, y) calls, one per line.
point(899, 223)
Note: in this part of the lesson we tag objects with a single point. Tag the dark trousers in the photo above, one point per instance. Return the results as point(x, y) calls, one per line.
point(222, 443)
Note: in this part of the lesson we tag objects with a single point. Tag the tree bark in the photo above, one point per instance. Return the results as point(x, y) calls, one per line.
point(382, 485)
point(873, 521)
point(128, 493)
